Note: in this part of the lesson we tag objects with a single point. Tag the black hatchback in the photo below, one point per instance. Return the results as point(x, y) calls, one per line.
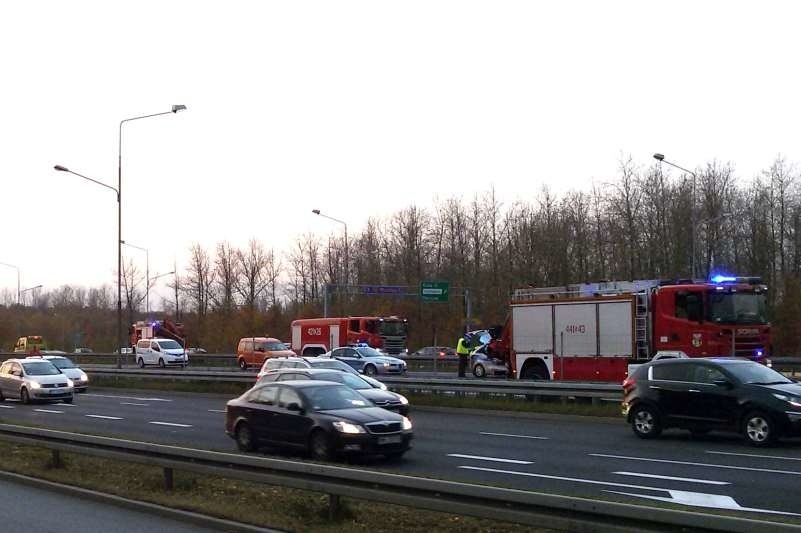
point(702, 394)
point(323, 418)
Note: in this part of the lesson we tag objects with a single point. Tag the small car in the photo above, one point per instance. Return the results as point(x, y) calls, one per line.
point(253, 351)
point(79, 378)
point(161, 352)
point(277, 363)
point(34, 379)
point(367, 360)
point(322, 418)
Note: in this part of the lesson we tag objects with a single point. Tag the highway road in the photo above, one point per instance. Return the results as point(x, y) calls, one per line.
point(566, 455)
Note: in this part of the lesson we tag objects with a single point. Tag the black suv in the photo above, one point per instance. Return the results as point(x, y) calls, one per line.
point(700, 395)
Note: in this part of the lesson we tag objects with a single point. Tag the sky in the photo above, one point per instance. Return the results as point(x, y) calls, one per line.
point(359, 109)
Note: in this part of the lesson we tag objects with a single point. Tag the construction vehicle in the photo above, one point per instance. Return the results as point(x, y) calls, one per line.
point(593, 331)
point(161, 329)
point(315, 336)
point(30, 344)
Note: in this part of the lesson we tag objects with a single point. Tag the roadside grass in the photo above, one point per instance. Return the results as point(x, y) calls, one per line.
point(252, 503)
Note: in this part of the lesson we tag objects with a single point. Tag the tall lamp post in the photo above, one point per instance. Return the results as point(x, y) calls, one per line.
point(147, 273)
point(30, 289)
point(347, 257)
point(17, 269)
point(161, 276)
point(661, 159)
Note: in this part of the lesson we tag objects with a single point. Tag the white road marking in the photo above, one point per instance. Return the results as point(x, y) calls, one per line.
point(171, 424)
point(128, 397)
point(671, 478)
point(139, 404)
point(67, 405)
point(494, 459)
point(510, 435)
point(560, 478)
point(7, 406)
point(49, 411)
point(216, 410)
point(699, 499)
point(757, 455)
point(788, 472)
point(105, 417)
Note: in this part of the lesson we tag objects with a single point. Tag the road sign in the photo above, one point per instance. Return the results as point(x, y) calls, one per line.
point(383, 289)
point(434, 291)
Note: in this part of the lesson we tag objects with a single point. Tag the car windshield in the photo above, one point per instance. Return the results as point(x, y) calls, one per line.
point(756, 373)
point(332, 397)
point(369, 352)
point(354, 382)
point(40, 368)
point(62, 363)
point(737, 308)
point(169, 345)
point(392, 327)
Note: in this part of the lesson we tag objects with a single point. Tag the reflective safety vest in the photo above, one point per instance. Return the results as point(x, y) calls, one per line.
point(461, 349)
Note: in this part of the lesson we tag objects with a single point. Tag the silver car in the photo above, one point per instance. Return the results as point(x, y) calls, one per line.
point(80, 381)
point(34, 379)
point(367, 360)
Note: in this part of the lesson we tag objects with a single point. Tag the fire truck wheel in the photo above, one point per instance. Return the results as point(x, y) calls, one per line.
point(242, 364)
point(140, 362)
point(645, 422)
point(759, 429)
point(479, 371)
point(370, 370)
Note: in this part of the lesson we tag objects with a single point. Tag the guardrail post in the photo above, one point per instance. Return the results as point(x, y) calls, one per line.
point(56, 462)
point(334, 506)
point(168, 481)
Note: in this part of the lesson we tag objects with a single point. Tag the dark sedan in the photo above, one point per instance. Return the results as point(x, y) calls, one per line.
point(325, 419)
point(382, 398)
point(701, 395)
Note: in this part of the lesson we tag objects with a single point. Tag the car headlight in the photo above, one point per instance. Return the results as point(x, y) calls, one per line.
point(84, 377)
point(386, 365)
point(795, 401)
point(347, 427)
point(407, 424)
point(70, 383)
point(403, 399)
point(35, 385)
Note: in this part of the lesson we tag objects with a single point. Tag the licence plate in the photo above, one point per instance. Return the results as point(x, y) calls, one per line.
point(391, 439)
point(56, 391)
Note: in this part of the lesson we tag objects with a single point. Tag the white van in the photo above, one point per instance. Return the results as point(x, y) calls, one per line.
point(162, 352)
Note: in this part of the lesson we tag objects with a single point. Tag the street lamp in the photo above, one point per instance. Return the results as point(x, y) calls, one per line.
point(661, 159)
point(30, 289)
point(147, 274)
point(347, 257)
point(17, 269)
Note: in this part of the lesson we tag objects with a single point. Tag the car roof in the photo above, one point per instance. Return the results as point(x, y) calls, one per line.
point(303, 383)
point(718, 360)
point(310, 371)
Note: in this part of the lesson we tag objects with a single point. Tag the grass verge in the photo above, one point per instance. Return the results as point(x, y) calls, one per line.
point(252, 503)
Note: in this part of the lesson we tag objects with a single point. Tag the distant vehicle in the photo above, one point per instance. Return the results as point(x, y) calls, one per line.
point(277, 363)
point(161, 352)
point(484, 365)
point(30, 344)
point(323, 418)
point(435, 351)
point(701, 395)
point(382, 398)
point(83, 350)
point(368, 361)
point(157, 329)
point(125, 350)
point(80, 381)
point(253, 351)
point(665, 354)
point(315, 336)
point(34, 379)
point(197, 350)
point(53, 352)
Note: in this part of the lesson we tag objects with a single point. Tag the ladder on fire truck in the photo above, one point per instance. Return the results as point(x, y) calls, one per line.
point(640, 289)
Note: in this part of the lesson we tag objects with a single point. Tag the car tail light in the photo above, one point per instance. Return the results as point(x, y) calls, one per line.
point(629, 383)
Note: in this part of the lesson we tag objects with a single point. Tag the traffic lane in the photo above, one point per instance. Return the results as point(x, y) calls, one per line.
point(584, 457)
point(29, 508)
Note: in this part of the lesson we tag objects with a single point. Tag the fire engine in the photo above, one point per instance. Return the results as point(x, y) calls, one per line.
point(593, 331)
point(161, 329)
point(314, 336)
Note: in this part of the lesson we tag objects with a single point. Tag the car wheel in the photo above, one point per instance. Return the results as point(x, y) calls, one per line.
point(68, 400)
point(759, 429)
point(140, 362)
point(370, 370)
point(479, 371)
point(242, 364)
point(320, 446)
point(161, 363)
point(24, 396)
point(645, 422)
point(244, 438)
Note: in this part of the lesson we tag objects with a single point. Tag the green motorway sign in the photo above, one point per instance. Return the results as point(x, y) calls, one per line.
point(434, 291)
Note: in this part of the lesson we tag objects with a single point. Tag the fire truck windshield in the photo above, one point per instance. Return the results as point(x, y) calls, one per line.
point(736, 308)
point(392, 327)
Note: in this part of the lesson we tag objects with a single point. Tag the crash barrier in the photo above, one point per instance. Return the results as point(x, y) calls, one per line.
point(595, 393)
point(508, 505)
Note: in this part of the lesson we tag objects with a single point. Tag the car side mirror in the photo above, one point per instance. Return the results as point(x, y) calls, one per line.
point(725, 383)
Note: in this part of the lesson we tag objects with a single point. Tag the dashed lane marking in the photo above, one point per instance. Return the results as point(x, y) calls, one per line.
point(104, 417)
point(129, 397)
point(708, 465)
point(560, 478)
point(699, 499)
point(7, 406)
point(49, 411)
point(510, 435)
point(137, 404)
point(173, 424)
point(759, 456)
point(672, 478)
point(216, 410)
point(493, 459)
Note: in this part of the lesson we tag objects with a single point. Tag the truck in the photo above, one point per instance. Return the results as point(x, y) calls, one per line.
point(30, 344)
point(161, 329)
point(315, 336)
point(593, 331)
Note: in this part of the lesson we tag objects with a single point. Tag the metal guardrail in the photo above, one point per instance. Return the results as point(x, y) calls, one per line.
point(495, 503)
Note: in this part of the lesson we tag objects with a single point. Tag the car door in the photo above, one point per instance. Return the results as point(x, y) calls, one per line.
point(15, 381)
point(4, 377)
point(155, 352)
point(293, 425)
point(261, 413)
point(715, 402)
point(670, 385)
point(349, 356)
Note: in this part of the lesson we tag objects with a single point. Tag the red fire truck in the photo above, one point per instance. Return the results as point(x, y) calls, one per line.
point(314, 336)
point(593, 331)
point(161, 329)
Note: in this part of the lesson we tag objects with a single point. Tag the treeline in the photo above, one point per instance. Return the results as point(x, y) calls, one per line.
point(638, 225)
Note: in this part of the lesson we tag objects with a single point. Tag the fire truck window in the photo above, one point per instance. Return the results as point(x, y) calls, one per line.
point(689, 306)
point(354, 325)
point(371, 326)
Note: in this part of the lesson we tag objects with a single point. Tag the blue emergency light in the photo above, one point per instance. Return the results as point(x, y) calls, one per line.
point(723, 279)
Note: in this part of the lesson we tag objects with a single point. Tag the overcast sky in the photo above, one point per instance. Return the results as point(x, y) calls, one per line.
point(358, 109)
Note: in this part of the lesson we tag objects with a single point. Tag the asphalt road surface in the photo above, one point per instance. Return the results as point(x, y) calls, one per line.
point(565, 455)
